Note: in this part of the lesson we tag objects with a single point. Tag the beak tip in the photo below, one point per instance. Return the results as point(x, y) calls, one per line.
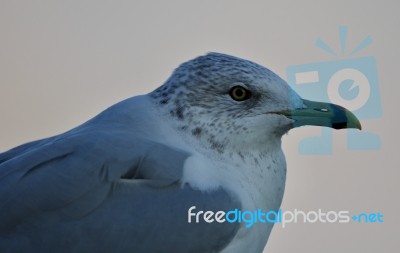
point(354, 124)
point(353, 121)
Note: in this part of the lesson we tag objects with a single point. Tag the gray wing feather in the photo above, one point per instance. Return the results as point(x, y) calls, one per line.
point(104, 191)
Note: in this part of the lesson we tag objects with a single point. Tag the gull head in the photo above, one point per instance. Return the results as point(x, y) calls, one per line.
point(228, 102)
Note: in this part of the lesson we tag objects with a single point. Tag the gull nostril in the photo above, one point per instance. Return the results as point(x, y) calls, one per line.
point(321, 110)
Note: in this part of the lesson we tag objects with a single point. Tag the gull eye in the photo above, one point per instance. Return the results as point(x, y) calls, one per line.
point(239, 93)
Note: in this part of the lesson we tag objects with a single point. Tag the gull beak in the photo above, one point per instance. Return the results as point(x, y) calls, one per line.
point(323, 114)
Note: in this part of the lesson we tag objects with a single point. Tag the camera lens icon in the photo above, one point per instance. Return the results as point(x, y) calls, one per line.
point(350, 88)
point(349, 82)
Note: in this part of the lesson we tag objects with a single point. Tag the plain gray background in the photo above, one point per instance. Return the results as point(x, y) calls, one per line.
point(62, 62)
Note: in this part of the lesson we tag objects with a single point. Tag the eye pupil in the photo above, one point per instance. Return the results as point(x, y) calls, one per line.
point(239, 93)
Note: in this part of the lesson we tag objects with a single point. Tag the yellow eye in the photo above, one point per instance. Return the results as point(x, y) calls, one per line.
point(239, 93)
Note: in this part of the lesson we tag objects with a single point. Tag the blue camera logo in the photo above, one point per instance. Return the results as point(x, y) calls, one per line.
point(350, 82)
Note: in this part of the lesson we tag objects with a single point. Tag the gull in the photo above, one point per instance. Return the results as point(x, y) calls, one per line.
point(208, 139)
